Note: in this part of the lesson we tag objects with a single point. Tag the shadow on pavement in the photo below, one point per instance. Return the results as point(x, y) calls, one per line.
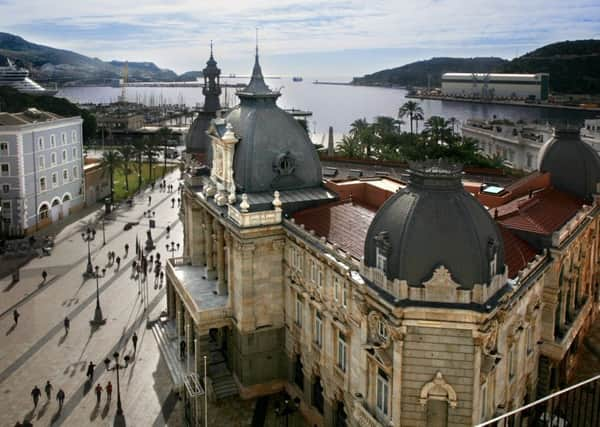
point(11, 329)
point(62, 339)
point(43, 410)
point(94, 413)
point(105, 410)
point(56, 416)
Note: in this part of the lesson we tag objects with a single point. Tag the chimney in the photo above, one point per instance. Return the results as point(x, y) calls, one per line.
point(330, 148)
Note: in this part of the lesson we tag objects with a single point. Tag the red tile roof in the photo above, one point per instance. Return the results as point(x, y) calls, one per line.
point(544, 213)
point(517, 252)
point(344, 223)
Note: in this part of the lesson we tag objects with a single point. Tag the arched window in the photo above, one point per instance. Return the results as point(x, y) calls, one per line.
point(437, 396)
point(43, 212)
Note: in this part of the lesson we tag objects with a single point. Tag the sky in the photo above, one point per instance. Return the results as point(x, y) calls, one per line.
point(306, 38)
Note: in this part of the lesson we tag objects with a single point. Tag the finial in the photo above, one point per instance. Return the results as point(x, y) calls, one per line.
point(276, 200)
point(257, 42)
point(211, 50)
point(244, 206)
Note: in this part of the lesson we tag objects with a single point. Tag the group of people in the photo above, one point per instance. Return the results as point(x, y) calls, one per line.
point(178, 202)
point(36, 393)
point(113, 257)
point(164, 187)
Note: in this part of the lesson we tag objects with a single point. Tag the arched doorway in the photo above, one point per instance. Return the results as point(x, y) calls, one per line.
point(66, 204)
point(55, 210)
point(44, 214)
point(437, 396)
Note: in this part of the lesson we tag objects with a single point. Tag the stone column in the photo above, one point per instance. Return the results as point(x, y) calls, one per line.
point(170, 300)
point(208, 239)
point(197, 240)
point(396, 403)
point(222, 285)
point(178, 316)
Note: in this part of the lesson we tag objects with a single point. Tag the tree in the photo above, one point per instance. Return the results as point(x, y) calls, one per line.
point(417, 118)
point(350, 147)
point(437, 130)
point(111, 161)
point(139, 147)
point(127, 153)
point(150, 151)
point(410, 108)
point(163, 135)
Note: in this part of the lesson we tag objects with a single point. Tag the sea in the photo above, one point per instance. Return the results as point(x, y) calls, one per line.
point(331, 105)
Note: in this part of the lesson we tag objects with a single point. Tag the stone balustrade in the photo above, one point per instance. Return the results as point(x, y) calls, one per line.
point(363, 417)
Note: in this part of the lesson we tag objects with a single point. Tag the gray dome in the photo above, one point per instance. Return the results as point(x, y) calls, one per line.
point(574, 166)
point(197, 141)
point(433, 222)
point(274, 151)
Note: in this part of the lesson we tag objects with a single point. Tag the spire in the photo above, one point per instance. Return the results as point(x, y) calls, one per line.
point(212, 84)
point(257, 85)
point(211, 50)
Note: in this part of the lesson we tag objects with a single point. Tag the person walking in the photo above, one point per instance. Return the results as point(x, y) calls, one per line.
point(149, 200)
point(67, 323)
point(108, 391)
point(35, 394)
point(182, 349)
point(44, 276)
point(48, 389)
point(168, 231)
point(60, 397)
point(134, 340)
point(90, 371)
point(173, 202)
point(118, 262)
point(126, 250)
point(98, 393)
point(16, 316)
point(162, 276)
point(178, 202)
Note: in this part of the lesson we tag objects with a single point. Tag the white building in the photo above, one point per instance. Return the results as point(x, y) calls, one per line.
point(517, 145)
point(590, 133)
point(492, 85)
point(41, 169)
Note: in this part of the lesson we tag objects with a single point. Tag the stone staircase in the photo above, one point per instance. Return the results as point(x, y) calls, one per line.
point(223, 383)
point(166, 339)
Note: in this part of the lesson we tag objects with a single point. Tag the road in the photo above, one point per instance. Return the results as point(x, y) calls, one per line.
point(37, 348)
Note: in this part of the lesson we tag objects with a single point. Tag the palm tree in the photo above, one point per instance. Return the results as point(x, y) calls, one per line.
point(127, 153)
point(111, 161)
point(410, 108)
point(358, 126)
point(150, 151)
point(139, 147)
point(438, 130)
point(418, 117)
point(350, 147)
point(163, 135)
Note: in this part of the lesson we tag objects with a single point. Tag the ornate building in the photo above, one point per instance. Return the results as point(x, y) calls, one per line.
point(198, 142)
point(378, 302)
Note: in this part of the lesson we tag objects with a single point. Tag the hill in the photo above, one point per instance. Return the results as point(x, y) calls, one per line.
point(418, 73)
point(47, 64)
point(574, 68)
point(13, 101)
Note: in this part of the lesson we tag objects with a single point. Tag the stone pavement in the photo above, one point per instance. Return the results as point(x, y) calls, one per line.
point(38, 349)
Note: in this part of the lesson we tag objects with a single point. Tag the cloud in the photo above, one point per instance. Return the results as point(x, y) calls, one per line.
point(176, 34)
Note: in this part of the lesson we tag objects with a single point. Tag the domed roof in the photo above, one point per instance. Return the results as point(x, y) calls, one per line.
point(197, 141)
point(274, 152)
point(434, 222)
point(574, 166)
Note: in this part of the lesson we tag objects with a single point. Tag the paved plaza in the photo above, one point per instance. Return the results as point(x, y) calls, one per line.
point(37, 348)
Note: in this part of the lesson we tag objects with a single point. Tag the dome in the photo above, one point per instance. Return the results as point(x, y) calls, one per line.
point(434, 222)
point(574, 166)
point(274, 152)
point(197, 140)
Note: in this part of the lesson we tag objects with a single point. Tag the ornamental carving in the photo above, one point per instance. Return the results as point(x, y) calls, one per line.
point(438, 389)
point(374, 319)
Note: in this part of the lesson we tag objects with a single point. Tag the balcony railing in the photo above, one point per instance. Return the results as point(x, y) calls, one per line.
point(575, 406)
point(363, 417)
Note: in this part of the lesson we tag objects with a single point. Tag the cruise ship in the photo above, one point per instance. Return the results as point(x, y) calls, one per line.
point(18, 78)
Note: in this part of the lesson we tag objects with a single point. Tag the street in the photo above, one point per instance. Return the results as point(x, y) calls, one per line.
point(37, 349)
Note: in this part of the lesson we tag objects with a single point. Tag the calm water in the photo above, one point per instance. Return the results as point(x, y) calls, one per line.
point(336, 106)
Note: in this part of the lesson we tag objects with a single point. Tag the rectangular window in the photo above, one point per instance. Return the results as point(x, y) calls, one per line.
point(380, 260)
point(41, 162)
point(382, 330)
point(65, 175)
point(5, 188)
point(383, 392)
point(74, 153)
point(529, 160)
point(53, 159)
point(73, 137)
point(52, 141)
point(345, 295)
point(298, 310)
point(341, 353)
point(63, 138)
point(54, 180)
point(64, 155)
point(40, 143)
point(75, 172)
point(336, 288)
point(318, 329)
point(4, 148)
point(43, 184)
point(4, 169)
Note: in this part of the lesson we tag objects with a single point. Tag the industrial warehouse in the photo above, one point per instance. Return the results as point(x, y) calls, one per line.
point(500, 86)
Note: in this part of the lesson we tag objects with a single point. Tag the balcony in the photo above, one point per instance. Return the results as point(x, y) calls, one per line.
point(557, 349)
point(204, 305)
point(363, 417)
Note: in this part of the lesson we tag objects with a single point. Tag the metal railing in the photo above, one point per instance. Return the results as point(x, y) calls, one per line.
point(575, 406)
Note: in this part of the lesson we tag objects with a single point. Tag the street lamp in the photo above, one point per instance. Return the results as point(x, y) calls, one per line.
point(98, 318)
point(117, 367)
point(287, 407)
point(88, 236)
point(172, 247)
point(103, 232)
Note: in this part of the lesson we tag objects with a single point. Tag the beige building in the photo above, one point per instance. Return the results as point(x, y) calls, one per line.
point(376, 302)
point(97, 181)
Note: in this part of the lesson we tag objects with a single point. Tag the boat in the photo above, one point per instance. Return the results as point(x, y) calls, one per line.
point(296, 79)
point(18, 78)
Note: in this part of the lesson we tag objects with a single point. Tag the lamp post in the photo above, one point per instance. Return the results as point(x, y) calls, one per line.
point(172, 247)
point(88, 236)
point(117, 367)
point(287, 407)
point(98, 317)
point(103, 232)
